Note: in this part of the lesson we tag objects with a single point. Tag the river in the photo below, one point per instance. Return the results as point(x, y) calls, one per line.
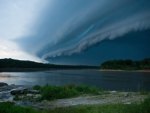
point(111, 80)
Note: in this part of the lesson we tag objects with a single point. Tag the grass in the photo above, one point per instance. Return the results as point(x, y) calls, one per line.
point(7, 107)
point(67, 91)
point(144, 107)
point(144, 92)
point(48, 92)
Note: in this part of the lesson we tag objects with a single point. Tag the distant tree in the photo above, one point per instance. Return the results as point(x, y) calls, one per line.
point(126, 64)
point(11, 63)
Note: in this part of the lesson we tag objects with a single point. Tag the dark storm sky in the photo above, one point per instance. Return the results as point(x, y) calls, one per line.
point(76, 31)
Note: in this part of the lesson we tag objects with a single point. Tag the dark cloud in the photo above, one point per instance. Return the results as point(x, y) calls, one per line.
point(70, 27)
point(129, 46)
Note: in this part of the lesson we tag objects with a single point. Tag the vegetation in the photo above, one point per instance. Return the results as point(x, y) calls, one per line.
point(144, 107)
point(126, 64)
point(59, 92)
point(18, 65)
point(8, 107)
point(112, 108)
point(14, 65)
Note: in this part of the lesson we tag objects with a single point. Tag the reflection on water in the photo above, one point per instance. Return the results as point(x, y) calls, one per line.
point(107, 80)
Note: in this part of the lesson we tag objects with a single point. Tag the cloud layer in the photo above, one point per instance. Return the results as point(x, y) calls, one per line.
point(16, 17)
point(53, 28)
point(99, 21)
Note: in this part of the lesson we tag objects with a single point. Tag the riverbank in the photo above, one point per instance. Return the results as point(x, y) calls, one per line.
point(31, 97)
point(13, 65)
point(143, 107)
point(117, 70)
point(104, 99)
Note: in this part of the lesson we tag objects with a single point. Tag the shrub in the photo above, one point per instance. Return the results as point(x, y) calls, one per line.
point(36, 87)
point(59, 92)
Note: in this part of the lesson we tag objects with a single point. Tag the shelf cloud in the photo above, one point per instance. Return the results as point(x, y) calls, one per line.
point(53, 28)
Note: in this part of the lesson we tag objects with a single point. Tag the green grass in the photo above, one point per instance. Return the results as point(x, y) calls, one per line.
point(118, 108)
point(144, 92)
point(67, 91)
point(8, 107)
point(144, 107)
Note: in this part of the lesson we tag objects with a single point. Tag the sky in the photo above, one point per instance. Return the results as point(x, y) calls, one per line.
point(74, 31)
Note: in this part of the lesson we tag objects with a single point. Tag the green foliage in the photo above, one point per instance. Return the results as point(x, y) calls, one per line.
point(7, 107)
point(144, 92)
point(59, 92)
point(126, 64)
point(36, 87)
point(88, 90)
point(145, 106)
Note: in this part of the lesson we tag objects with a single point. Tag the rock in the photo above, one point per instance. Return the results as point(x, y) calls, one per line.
point(29, 95)
point(22, 91)
point(8, 88)
point(37, 96)
point(19, 91)
point(33, 92)
point(3, 84)
point(126, 94)
point(127, 103)
point(34, 96)
point(5, 96)
point(112, 92)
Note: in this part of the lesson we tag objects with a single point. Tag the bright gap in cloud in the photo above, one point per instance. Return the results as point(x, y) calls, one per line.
point(8, 49)
point(16, 18)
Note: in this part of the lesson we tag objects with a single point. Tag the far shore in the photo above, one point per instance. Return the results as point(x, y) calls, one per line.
point(118, 70)
point(40, 69)
point(50, 69)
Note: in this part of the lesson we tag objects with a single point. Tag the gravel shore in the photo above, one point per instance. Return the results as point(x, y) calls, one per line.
point(109, 97)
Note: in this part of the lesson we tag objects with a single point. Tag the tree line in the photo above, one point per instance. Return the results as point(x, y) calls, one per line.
point(12, 63)
point(127, 64)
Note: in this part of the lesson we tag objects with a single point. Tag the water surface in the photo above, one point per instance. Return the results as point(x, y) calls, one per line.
point(107, 80)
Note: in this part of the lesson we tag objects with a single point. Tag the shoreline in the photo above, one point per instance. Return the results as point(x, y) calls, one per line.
point(118, 70)
point(105, 97)
point(50, 69)
point(40, 69)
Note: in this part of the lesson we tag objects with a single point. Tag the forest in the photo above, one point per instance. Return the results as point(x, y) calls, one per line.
point(127, 64)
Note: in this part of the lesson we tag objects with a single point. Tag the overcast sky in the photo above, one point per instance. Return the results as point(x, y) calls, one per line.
point(74, 31)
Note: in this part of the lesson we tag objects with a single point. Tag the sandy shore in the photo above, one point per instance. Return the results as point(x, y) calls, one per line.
point(104, 99)
point(112, 70)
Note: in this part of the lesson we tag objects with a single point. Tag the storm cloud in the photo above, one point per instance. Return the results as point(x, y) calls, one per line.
point(70, 27)
point(73, 26)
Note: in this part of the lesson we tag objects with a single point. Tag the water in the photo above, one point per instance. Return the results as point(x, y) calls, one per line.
point(108, 80)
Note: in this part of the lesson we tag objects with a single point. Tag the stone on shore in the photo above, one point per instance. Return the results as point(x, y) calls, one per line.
point(23, 91)
point(3, 84)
